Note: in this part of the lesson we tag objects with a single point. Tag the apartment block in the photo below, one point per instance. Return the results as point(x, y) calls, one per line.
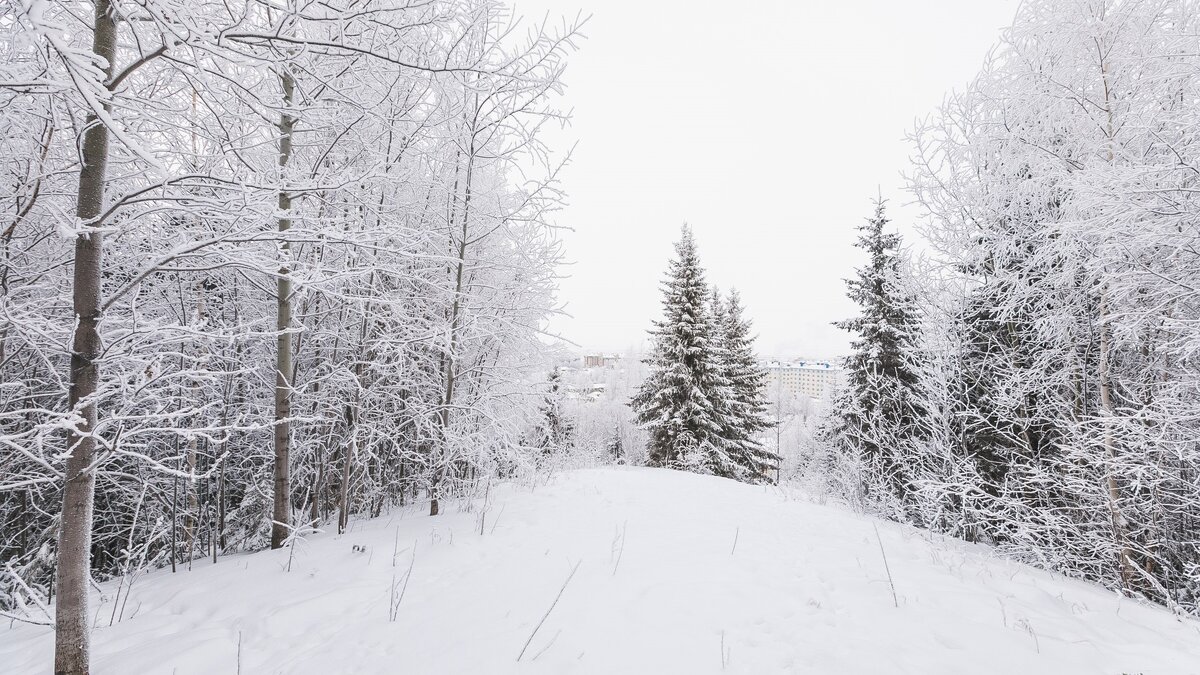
point(814, 379)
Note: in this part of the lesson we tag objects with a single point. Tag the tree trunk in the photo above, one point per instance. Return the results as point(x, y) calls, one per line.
point(1120, 528)
point(347, 468)
point(190, 519)
point(443, 417)
point(352, 415)
point(314, 504)
point(281, 511)
point(72, 641)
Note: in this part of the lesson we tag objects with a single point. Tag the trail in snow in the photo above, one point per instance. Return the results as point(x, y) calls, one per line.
point(676, 573)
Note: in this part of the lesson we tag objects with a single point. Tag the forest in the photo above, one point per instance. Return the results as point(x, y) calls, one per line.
point(272, 267)
point(1028, 377)
point(264, 265)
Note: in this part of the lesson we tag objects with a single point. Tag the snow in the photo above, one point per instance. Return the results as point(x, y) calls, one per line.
point(661, 587)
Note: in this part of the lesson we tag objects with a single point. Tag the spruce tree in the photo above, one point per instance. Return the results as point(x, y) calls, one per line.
point(747, 400)
point(555, 431)
point(678, 402)
point(875, 415)
point(702, 401)
point(730, 461)
point(614, 447)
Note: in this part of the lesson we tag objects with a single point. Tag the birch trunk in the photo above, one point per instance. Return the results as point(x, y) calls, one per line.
point(1120, 529)
point(281, 509)
point(71, 639)
point(193, 495)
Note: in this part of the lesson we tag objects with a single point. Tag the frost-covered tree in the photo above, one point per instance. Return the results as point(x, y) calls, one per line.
point(614, 448)
point(678, 401)
point(1059, 384)
point(684, 402)
point(555, 432)
point(874, 414)
point(605, 428)
point(299, 273)
point(747, 417)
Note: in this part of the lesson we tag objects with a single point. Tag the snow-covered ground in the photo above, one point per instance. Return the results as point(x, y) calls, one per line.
point(674, 573)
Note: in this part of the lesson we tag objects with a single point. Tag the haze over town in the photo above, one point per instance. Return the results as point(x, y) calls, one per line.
point(768, 129)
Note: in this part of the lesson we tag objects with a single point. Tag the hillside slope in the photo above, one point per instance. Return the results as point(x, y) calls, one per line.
point(661, 587)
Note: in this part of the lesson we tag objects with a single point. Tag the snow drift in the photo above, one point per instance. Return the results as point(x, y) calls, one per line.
point(672, 573)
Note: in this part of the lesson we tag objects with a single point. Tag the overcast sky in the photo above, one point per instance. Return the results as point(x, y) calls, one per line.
point(768, 126)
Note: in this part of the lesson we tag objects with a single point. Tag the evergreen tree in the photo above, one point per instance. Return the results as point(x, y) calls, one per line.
point(875, 414)
point(747, 401)
point(614, 447)
point(555, 431)
point(731, 461)
point(685, 401)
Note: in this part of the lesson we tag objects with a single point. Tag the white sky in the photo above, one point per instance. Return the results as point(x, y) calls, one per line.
point(768, 126)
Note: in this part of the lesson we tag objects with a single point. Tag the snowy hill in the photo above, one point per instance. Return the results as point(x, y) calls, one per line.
point(675, 573)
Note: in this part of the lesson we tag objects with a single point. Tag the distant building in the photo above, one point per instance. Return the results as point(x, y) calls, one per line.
point(601, 360)
point(814, 379)
point(589, 392)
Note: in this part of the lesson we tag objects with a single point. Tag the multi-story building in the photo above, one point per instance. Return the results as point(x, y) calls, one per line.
point(601, 360)
point(814, 379)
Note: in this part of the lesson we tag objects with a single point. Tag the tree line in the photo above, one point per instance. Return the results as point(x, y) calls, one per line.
point(1031, 380)
point(263, 266)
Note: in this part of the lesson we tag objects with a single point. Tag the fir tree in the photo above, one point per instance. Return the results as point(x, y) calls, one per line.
point(614, 447)
point(875, 414)
point(675, 402)
point(555, 431)
point(747, 417)
point(684, 401)
point(729, 461)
